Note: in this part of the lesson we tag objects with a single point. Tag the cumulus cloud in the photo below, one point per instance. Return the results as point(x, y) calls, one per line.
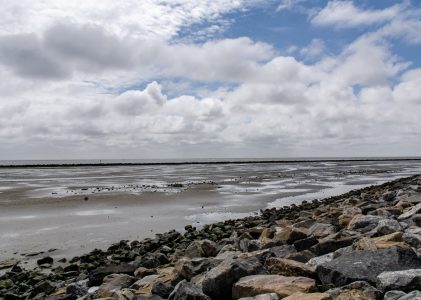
point(86, 83)
point(346, 14)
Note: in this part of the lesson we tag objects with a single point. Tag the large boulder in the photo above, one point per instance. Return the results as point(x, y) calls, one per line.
point(187, 291)
point(406, 280)
point(281, 285)
point(218, 282)
point(366, 265)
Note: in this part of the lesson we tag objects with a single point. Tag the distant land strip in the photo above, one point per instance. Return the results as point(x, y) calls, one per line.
point(222, 162)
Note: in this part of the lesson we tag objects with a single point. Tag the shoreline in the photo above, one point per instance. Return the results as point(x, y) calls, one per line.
point(312, 243)
point(221, 162)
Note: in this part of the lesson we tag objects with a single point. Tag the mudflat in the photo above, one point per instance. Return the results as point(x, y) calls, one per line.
point(73, 210)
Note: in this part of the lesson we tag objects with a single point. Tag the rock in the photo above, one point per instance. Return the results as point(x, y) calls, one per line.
point(288, 267)
point(203, 248)
point(281, 285)
point(96, 276)
point(269, 296)
point(310, 296)
point(282, 251)
point(387, 226)
point(188, 268)
point(394, 295)
point(77, 289)
point(366, 265)
point(359, 290)
point(8, 263)
point(406, 280)
point(319, 260)
point(46, 287)
point(187, 291)
point(414, 210)
point(416, 219)
point(266, 233)
point(161, 289)
point(413, 240)
point(146, 281)
point(112, 283)
point(218, 281)
point(305, 244)
point(45, 261)
point(321, 230)
point(142, 272)
point(290, 234)
point(348, 214)
point(330, 244)
point(302, 256)
point(161, 283)
point(390, 240)
point(6, 284)
point(389, 196)
point(414, 295)
point(364, 223)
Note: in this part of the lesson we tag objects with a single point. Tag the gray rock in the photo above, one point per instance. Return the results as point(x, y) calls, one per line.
point(203, 248)
point(387, 226)
point(414, 295)
point(364, 223)
point(187, 291)
point(219, 280)
point(282, 251)
point(394, 295)
point(406, 280)
point(192, 267)
point(96, 276)
point(413, 240)
point(319, 260)
point(366, 265)
point(270, 296)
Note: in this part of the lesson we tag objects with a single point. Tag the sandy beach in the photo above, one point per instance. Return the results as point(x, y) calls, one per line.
point(74, 210)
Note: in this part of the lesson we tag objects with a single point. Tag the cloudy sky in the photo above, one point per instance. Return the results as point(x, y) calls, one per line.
point(209, 78)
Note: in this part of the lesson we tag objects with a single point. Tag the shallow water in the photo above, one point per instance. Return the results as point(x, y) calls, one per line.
point(43, 208)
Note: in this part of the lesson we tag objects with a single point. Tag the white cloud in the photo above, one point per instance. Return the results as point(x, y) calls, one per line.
point(315, 49)
point(58, 69)
point(345, 14)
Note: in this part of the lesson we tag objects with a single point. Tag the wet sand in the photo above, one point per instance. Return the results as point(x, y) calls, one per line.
point(42, 209)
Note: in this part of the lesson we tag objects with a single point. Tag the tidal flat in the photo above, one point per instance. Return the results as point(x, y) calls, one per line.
point(72, 210)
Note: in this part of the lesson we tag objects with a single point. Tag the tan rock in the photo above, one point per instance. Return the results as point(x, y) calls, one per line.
point(347, 215)
point(266, 233)
point(144, 286)
point(281, 285)
point(310, 296)
point(385, 241)
point(290, 234)
point(113, 283)
point(289, 267)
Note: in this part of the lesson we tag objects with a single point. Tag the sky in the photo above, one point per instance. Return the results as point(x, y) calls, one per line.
point(133, 79)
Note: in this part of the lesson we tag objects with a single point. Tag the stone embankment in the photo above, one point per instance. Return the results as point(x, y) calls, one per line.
point(365, 244)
